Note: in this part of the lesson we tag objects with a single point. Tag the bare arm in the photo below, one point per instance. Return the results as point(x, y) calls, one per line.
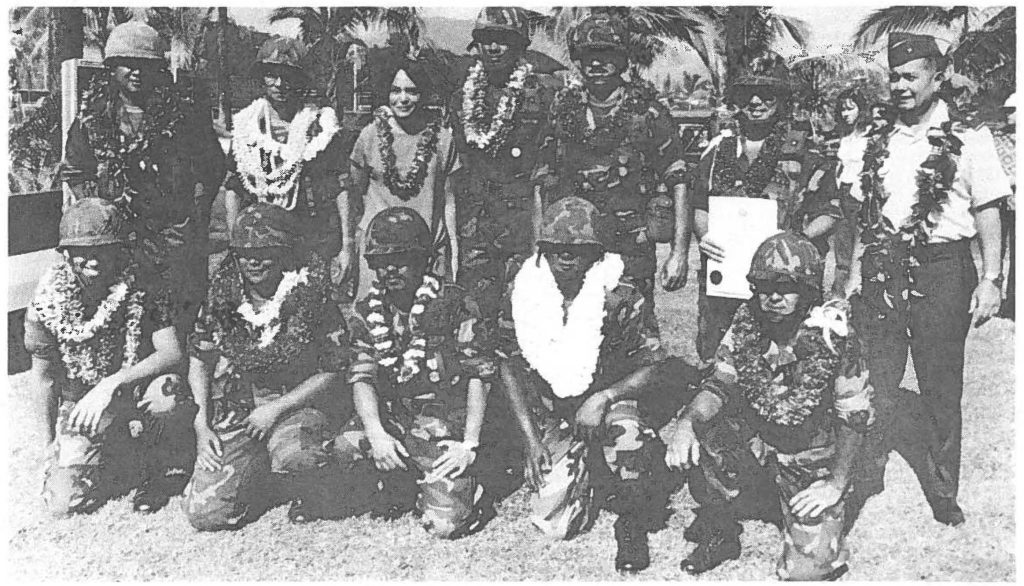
point(199, 375)
point(452, 228)
point(387, 450)
point(517, 401)
point(676, 269)
point(232, 202)
point(45, 397)
point(987, 296)
point(820, 226)
point(476, 405)
point(317, 386)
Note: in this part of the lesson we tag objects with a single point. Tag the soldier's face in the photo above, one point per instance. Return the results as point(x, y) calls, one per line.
point(400, 272)
point(405, 96)
point(569, 263)
point(261, 266)
point(134, 76)
point(912, 85)
point(95, 265)
point(497, 52)
point(761, 106)
point(777, 300)
point(602, 68)
point(277, 88)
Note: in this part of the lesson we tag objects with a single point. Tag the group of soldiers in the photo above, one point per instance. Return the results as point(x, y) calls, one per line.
point(534, 356)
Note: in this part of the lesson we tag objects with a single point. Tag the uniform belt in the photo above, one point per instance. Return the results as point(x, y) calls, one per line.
point(940, 251)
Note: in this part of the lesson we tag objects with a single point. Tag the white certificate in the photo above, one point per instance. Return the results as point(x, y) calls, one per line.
point(739, 225)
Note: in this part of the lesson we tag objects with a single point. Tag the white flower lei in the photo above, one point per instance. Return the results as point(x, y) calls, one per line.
point(254, 144)
point(473, 92)
point(384, 339)
point(563, 350)
point(268, 319)
point(59, 306)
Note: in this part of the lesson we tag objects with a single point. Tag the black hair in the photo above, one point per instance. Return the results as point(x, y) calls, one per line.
point(856, 96)
point(417, 71)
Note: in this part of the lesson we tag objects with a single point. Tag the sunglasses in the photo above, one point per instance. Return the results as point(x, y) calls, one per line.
point(258, 254)
point(769, 288)
point(398, 260)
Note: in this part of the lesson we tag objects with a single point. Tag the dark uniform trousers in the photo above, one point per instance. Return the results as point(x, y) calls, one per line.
point(139, 438)
point(926, 429)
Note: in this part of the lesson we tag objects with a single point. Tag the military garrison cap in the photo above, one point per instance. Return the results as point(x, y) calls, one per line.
point(906, 47)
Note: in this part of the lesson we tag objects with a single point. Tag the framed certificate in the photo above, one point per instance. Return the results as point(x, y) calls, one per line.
point(739, 225)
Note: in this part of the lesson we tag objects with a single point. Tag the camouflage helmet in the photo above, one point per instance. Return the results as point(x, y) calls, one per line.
point(92, 222)
point(765, 70)
point(510, 22)
point(397, 230)
point(263, 225)
point(284, 54)
point(134, 40)
point(788, 256)
point(598, 31)
point(572, 220)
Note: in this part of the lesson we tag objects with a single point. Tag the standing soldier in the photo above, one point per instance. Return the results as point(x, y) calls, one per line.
point(612, 143)
point(582, 356)
point(267, 357)
point(498, 116)
point(288, 153)
point(930, 186)
point(102, 349)
point(763, 159)
point(789, 402)
point(143, 144)
point(419, 380)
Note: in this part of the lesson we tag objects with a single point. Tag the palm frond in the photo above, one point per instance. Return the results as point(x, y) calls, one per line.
point(900, 18)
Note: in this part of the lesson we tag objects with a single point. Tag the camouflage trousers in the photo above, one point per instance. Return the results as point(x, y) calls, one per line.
point(293, 462)
point(447, 506)
point(741, 476)
point(142, 436)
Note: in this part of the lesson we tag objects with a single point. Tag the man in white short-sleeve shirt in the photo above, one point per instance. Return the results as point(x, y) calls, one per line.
point(928, 307)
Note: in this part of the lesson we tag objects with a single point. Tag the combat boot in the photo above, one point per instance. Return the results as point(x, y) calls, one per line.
point(716, 548)
point(634, 554)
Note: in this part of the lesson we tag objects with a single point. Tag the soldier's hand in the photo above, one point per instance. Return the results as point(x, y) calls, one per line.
point(589, 418)
point(86, 415)
point(261, 420)
point(985, 301)
point(538, 463)
point(208, 449)
point(387, 451)
point(683, 446)
point(713, 251)
point(813, 500)
point(453, 462)
point(675, 271)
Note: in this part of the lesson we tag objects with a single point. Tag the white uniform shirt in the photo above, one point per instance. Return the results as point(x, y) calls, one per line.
point(979, 176)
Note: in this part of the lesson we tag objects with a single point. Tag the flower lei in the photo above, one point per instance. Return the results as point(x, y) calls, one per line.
point(117, 154)
point(563, 349)
point(575, 121)
point(271, 341)
point(268, 169)
point(386, 341)
point(491, 137)
point(88, 348)
point(405, 188)
point(813, 374)
point(726, 177)
point(890, 250)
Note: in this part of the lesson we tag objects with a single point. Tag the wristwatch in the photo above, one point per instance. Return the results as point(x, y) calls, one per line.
point(997, 279)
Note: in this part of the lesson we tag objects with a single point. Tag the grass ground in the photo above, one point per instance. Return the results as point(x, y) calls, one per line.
point(896, 538)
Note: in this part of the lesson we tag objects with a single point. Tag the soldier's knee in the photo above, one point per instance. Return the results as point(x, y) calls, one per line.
point(441, 526)
point(69, 491)
point(298, 460)
point(214, 514)
point(165, 395)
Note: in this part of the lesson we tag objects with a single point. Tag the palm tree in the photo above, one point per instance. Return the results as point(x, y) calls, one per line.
point(920, 18)
point(989, 54)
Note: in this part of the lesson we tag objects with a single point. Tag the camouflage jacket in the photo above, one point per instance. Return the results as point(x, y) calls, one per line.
point(458, 348)
point(792, 395)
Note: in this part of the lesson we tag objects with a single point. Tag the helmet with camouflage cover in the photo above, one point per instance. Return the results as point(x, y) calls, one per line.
point(510, 23)
point(396, 230)
point(263, 225)
point(572, 220)
point(764, 70)
point(788, 256)
point(134, 40)
point(284, 55)
point(93, 222)
point(596, 32)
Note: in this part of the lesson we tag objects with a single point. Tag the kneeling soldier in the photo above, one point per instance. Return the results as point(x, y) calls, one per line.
point(419, 378)
point(788, 402)
point(103, 351)
point(267, 357)
point(581, 354)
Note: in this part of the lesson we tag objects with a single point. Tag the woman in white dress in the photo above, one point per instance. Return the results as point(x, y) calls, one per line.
point(853, 118)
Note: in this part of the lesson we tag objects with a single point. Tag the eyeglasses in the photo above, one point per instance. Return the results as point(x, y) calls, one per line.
point(743, 96)
point(769, 288)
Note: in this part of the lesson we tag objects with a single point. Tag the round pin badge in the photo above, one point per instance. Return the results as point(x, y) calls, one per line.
point(516, 152)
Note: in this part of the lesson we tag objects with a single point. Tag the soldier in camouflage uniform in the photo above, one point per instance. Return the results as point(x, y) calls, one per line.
point(420, 381)
point(114, 415)
point(612, 143)
point(788, 404)
point(498, 116)
point(267, 360)
point(764, 156)
point(581, 357)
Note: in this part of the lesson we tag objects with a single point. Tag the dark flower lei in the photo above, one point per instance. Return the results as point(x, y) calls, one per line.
point(405, 188)
point(239, 341)
point(815, 372)
point(571, 113)
point(889, 251)
point(114, 150)
point(760, 172)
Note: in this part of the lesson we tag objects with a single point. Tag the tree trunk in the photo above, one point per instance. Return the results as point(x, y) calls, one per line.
point(65, 42)
point(223, 75)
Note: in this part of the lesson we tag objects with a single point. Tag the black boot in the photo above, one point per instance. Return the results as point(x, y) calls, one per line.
point(155, 493)
point(717, 547)
point(947, 511)
point(633, 555)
